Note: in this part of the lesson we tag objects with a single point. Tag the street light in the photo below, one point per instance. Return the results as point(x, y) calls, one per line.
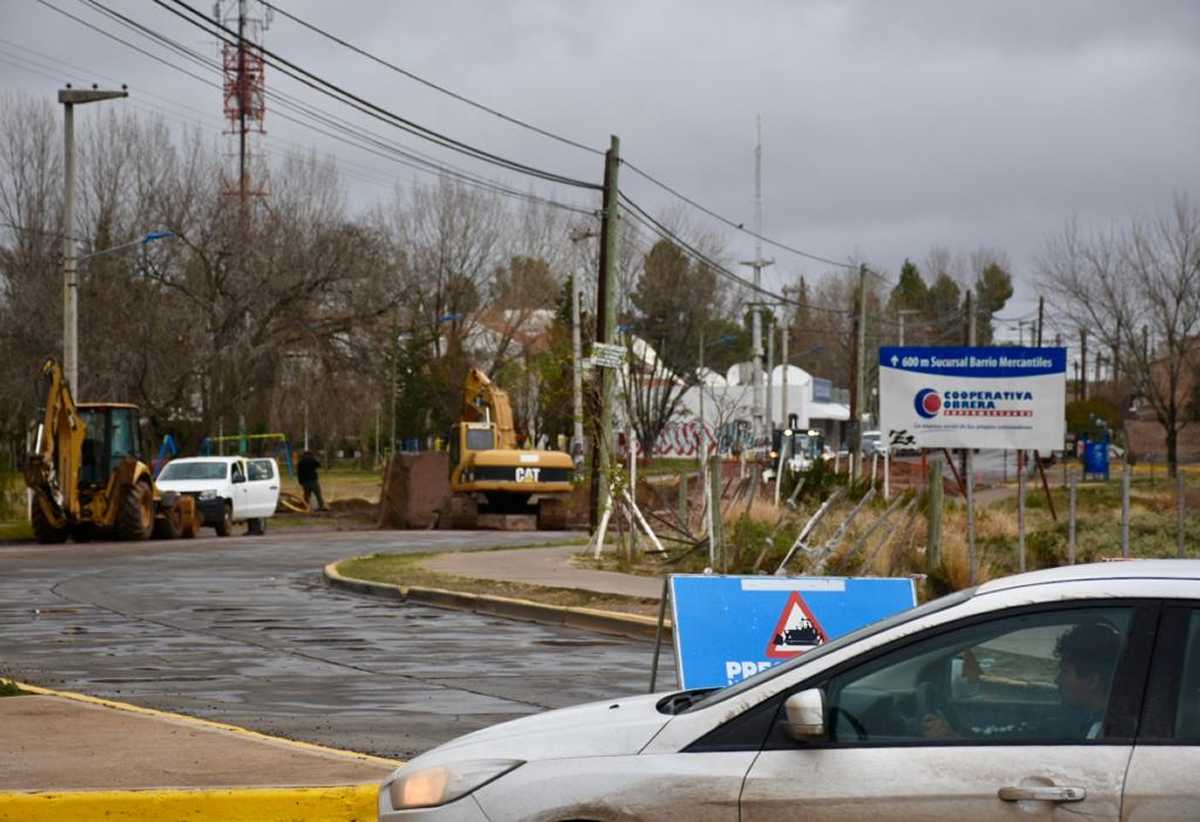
point(70, 97)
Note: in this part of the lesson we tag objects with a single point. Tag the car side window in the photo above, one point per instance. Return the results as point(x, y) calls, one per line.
point(260, 470)
point(237, 474)
point(1040, 678)
point(1187, 713)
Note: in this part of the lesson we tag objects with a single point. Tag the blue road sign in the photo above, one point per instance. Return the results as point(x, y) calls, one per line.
point(730, 627)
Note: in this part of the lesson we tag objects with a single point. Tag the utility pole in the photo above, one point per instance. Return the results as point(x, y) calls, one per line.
point(859, 365)
point(758, 264)
point(576, 379)
point(1041, 317)
point(1116, 355)
point(770, 418)
point(606, 325)
point(1083, 364)
point(785, 332)
point(70, 98)
point(577, 444)
point(969, 461)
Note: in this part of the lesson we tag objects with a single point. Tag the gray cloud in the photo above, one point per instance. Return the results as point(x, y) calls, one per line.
point(888, 127)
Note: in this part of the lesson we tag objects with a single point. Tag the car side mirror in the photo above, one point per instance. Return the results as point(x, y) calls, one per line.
point(805, 714)
point(237, 480)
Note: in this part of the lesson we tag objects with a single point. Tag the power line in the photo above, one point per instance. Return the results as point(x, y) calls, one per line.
point(340, 94)
point(417, 162)
point(735, 225)
point(642, 216)
point(428, 83)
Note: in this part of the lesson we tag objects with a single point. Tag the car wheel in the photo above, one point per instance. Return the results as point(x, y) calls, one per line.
point(225, 526)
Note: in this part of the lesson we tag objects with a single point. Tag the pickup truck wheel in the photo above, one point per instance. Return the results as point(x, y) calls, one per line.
point(225, 526)
point(256, 527)
point(135, 521)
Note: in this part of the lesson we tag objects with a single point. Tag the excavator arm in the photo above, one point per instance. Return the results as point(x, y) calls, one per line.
point(52, 470)
point(484, 401)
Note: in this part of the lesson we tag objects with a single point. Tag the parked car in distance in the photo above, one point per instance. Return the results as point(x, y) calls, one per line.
point(227, 490)
point(1066, 693)
point(873, 443)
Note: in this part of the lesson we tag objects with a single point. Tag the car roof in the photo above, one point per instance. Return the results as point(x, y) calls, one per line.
point(1173, 569)
point(206, 459)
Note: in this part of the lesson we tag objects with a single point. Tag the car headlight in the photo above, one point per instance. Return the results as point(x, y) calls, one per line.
point(428, 787)
point(209, 493)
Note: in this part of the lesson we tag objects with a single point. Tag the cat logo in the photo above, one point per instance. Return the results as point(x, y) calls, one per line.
point(528, 474)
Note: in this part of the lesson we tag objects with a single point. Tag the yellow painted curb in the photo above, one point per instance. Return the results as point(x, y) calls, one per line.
point(209, 724)
point(355, 803)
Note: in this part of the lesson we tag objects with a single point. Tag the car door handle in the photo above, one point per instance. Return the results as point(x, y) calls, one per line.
point(273, 488)
point(1043, 793)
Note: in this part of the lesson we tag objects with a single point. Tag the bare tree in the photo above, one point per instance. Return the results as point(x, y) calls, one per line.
point(1145, 276)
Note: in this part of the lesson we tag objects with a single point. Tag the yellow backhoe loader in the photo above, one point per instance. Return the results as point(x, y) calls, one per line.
point(86, 478)
point(490, 473)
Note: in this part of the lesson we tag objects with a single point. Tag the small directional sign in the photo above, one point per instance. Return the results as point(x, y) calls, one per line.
point(608, 356)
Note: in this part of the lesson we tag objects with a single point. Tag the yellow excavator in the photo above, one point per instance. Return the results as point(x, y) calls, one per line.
point(86, 478)
point(490, 473)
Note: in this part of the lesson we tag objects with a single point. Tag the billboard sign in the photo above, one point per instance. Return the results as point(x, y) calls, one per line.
point(730, 627)
point(1002, 397)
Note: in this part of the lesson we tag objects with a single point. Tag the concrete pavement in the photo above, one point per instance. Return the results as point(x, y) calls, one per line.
point(70, 756)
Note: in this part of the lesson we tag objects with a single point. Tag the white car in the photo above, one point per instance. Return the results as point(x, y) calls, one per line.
point(1071, 693)
point(227, 490)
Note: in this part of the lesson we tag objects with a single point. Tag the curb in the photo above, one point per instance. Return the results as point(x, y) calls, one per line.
point(344, 803)
point(355, 803)
point(588, 619)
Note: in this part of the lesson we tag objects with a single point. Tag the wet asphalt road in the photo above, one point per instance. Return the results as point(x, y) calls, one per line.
point(244, 630)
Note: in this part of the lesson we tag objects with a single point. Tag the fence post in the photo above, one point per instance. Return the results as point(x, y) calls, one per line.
point(1021, 509)
point(1072, 491)
point(933, 542)
point(1126, 477)
point(682, 503)
point(1180, 508)
point(714, 507)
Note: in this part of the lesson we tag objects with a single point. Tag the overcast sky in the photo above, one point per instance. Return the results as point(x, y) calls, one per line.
point(888, 127)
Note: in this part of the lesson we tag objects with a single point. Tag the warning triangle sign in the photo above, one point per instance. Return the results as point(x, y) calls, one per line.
point(797, 631)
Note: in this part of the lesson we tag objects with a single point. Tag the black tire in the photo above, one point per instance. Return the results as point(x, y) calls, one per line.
point(256, 527)
point(169, 525)
point(135, 521)
point(43, 531)
point(225, 526)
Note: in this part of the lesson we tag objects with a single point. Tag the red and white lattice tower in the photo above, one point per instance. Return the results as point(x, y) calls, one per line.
point(244, 92)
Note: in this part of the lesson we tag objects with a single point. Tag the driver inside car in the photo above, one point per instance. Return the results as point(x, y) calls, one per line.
point(1087, 658)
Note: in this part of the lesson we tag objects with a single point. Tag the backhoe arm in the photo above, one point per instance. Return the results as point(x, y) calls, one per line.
point(484, 400)
point(52, 470)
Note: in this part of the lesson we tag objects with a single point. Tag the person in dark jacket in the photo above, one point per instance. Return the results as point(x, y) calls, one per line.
point(306, 472)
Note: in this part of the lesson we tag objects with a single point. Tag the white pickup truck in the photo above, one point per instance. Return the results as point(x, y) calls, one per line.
point(227, 490)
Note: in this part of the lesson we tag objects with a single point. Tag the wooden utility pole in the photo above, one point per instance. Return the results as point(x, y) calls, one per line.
point(1041, 317)
point(859, 365)
point(606, 325)
point(1083, 364)
point(969, 460)
point(1116, 355)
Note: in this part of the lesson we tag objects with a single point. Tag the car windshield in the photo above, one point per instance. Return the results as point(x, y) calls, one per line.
point(841, 642)
point(194, 471)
